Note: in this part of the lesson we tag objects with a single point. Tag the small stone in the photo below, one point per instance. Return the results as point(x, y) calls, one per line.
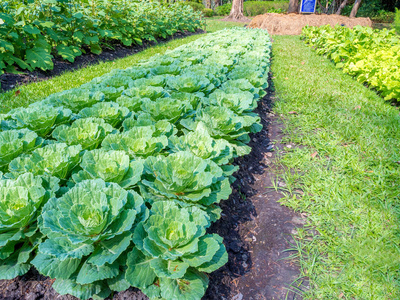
point(281, 184)
point(238, 297)
point(255, 140)
point(269, 154)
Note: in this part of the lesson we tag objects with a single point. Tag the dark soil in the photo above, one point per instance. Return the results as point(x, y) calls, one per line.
point(9, 81)
point(255, 227)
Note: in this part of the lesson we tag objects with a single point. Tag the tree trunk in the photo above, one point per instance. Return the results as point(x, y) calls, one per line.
point(355, 8)
point(293, 7)
point(339, 11)
point(237, 12)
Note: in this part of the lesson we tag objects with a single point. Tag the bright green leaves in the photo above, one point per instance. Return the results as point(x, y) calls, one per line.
point(54, 159)
point(88, 230)
point(15, 142)
point(371, 56)
point(89, 133)
point(185, 177)
point(110, 112)
point(111, 166)
point(20, 203)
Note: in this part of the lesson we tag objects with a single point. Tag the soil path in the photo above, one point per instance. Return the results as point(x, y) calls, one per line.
point(255, 227)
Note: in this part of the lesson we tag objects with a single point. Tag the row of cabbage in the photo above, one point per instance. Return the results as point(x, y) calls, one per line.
point(371, 55)
point(114, 184)
point(32, 33)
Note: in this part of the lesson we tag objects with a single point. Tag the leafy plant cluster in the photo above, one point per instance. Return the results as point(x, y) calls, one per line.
point(254, 8)
point(32, 34)
point(114, 184)
point(372, 56)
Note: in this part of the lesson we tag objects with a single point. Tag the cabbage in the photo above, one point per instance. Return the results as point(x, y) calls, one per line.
point(110, 112)
point(131, 103)
point(152, 92)
point(20, 205)
point(186, 178)
point(171, 248)
point(189, 83)
point(201, 144)
point(88, 133)
point(138, 142)
point(111, 166)
point(40, 118)
point(74, 99)
point(16, 142)
point(166, 109)
point(54, 159)
point(162, 127)
point(239, 102)
point(88, 230)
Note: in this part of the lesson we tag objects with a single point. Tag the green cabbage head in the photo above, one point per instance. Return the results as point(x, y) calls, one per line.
point(55, 159)
point(186, 178)
point(111, 166)
point(21, 201)
point(172, 247)
point(139, 142)
point(88, 230)
point(88, 132)
point(110, 112)
point(16, 142)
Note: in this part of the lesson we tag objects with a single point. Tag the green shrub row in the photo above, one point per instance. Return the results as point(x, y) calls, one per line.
point(31, 34)
point(114, 184)
point(254, 8)
point(372, 56)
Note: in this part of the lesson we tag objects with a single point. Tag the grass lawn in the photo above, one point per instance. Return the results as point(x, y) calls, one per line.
point(39, 90)
point(348, 170)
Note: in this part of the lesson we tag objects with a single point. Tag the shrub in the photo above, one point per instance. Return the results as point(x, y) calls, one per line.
point(396, 23)
point(196, 6)
point(254, 8)
point(383, 16)
point(223, 10)
point(207, 12)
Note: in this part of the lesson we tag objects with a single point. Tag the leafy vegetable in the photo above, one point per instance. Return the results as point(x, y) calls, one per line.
point(55, 159)
point(88, 132)
point(88, 230)
point(110, 112)
point(16, 142)
point(137, 142)
point(111, 166)
point(20, 205)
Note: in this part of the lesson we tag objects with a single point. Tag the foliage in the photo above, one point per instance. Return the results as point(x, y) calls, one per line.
point(346, 170)
point(138, 142)
point(88, 230)
point(370, 55)
point(396, 22)
point(254, 8)
point(208, 12)
point(20, 205)
point(32, 35)
point(195, 5)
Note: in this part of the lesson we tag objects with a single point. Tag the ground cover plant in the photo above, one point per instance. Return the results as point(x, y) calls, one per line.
point(343, 176)
point(129, 171)
point(32, 33)
point(370, 55)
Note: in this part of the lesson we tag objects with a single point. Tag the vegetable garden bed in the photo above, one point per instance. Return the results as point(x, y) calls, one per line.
point(135, 211)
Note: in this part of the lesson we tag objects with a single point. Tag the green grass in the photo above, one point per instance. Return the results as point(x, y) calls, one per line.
point(348, 170)
point(35, 91)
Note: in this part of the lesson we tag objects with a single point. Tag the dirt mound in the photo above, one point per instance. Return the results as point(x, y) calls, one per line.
point(291, 24)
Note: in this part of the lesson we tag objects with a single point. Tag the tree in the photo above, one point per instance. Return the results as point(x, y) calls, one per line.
point(237, 12)
point(354, 10)
point(293, 6)
point(342, 5)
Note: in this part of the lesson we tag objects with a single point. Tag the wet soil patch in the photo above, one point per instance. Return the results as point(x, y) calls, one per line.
point(9, 81)
point(256, 230)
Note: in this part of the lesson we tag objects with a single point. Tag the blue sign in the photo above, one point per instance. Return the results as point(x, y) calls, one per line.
point(308, 6)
